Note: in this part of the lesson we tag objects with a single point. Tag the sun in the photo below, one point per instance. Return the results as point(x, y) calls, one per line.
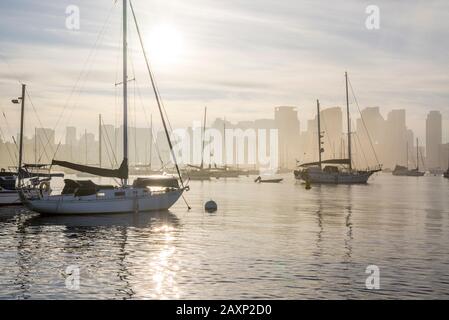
point(166, 45)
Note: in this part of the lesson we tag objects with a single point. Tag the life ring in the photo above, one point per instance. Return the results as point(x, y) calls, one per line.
point(44, 188)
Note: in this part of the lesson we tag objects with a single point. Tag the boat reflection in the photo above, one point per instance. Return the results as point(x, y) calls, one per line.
point(136, 220)
point(140, 252)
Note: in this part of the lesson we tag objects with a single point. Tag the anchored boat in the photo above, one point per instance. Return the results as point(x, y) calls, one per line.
point(405, 171)
point(86, 197)
point(336, 171)
point(259, 179)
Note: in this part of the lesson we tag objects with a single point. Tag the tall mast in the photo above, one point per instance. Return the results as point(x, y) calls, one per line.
point(224, 140)
point(407, 155)
point(157, 96)
point(85, 143)
point(417, 154)
point(35, 145)
point(151, 140)
point(125, 89)
point(99, 139)
point(349, 123)
point(203, 135)
point(319, 130)
point(22, 115)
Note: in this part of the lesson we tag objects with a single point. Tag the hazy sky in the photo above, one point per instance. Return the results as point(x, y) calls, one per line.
point(239, 58)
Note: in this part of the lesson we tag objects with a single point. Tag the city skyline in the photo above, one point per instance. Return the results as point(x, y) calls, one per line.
point(376, 140)
point(200, 58)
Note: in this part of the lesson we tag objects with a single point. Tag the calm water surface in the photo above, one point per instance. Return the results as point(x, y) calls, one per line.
point(265, 241)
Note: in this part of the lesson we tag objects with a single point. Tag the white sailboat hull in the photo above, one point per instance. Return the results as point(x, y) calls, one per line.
point(334, 177)
point(70, 205)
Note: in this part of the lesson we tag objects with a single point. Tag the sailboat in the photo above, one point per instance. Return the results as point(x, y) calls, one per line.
point(8, 192)
point(225, 171)
point(336, 171)
point(200, 172)
point(10, 181)
point(405, 171)
point(85, 197)
point(446, 174)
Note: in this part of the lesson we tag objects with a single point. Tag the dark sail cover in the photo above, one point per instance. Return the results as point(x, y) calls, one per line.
point(121, 173)
point(331, 161)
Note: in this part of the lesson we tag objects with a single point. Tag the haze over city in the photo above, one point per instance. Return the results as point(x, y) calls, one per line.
point(241, 149)
point(241, 59)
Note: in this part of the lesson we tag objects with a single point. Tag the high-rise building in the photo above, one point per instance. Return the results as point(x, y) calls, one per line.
point(395, 144)
point(434, 139)
point(287, 123)
point(371, 131)
point(71, 143)
point(332, 125)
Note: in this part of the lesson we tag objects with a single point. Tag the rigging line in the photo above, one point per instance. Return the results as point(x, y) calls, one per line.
point(38, 119)
point(328, 137)
point(422, 158)
point(115, 163)
point(364, 124)
point(83, 70)
point(8, 127)
point(157, 96)
point(148, 124)
point(6, 144)
point(44, 152)
point(361, 148)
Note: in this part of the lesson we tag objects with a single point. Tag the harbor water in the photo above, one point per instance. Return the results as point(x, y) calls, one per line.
point(265, 241)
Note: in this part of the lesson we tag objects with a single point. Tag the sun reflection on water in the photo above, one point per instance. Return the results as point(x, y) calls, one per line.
point(164, 267)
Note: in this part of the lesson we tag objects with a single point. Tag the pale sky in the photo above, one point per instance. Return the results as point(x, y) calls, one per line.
point(239, 58)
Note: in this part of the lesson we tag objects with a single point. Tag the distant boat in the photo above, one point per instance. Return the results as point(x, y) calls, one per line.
point(10, 181)
point(260, 180)
point(8, 192)
point(405, 171)
point(194, 172)
point(337, 171)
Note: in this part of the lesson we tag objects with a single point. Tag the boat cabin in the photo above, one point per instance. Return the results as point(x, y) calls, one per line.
point(82, 187)
point(160, 181)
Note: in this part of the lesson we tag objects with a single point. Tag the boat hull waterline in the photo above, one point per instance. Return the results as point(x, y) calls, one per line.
point(334, 178)
point(71, 205)
point(9, 197)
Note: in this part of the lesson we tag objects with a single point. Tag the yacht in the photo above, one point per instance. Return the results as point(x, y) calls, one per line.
point(86, 197)
point(333, 171)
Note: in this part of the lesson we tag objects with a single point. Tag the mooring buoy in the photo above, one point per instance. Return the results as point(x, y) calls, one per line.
point(308, 186)
point(210, 206)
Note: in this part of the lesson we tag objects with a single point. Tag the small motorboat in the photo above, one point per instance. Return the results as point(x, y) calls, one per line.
point(260, 180)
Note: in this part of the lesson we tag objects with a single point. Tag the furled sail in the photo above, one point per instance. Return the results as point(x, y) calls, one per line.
point(331, 161)
point(120, 173)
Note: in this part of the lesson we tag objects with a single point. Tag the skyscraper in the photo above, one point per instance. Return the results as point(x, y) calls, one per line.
point(396, 131)
point(434, 139)
point(332, 125)
point(287, 123)
point(71, 143)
